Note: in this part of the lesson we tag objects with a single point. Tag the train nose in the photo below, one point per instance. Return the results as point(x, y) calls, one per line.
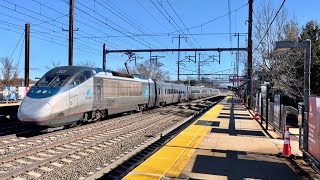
point(36, 111)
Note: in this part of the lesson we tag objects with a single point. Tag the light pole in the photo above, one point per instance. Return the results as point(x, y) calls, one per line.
point(284, 45)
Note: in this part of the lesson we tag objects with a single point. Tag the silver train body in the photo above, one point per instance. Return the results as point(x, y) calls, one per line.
point(66, 95)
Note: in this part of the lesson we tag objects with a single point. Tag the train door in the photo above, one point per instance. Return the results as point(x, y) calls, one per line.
point(152, 93)
point(157, 93)
point(97, 93)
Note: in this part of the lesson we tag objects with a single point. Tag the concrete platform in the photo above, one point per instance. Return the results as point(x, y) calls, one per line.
point(225, 143)
point(17, 104)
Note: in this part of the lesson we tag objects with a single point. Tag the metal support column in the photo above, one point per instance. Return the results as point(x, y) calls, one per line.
point(27, 55)
point(249, 64)
point(71, 7)
point(104, 57)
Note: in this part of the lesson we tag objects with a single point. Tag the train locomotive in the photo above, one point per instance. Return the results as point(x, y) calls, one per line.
point(70, 95)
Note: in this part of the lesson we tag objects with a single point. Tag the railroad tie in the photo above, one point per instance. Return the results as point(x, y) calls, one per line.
point(33, 174)
point(57, 164)
point(46, 169)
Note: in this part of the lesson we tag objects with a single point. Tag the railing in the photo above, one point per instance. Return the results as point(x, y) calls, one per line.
point(273, 113)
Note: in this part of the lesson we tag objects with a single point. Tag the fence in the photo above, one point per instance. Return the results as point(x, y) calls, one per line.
point(275, 114)
point(272, 113)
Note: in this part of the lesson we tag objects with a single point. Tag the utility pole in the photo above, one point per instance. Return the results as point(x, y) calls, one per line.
point(179, 37)
point(104, 56)
point(71, 7)
point(179, 60)
point(249, 75)
point(238, 63)
point(27, 55)
point(199, 68)
point(234, 73)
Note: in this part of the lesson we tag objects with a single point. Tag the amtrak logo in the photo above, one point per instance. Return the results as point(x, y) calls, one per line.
point(88, 92)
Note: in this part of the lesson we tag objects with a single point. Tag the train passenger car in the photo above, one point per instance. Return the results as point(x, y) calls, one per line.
point(195, 92)
point(59, 97)
point(116, 92)
point(205, 92)
point(166, 93)
point(216, 92)
point(70, 95)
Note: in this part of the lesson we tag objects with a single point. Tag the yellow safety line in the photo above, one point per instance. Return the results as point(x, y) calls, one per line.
point(151, 169)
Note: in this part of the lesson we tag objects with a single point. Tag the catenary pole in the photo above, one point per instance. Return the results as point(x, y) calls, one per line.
point(27, 55)
point(71, 7)
point(249, 68)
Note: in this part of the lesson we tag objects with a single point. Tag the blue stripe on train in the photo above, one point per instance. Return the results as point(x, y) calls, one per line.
point(45, 92)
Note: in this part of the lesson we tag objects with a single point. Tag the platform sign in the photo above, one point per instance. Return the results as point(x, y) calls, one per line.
point(6, 93)
point(276, 111)
point(264, 91)
point(260, 103)
point(314, 119)
point(22, 91)
point(13, 93)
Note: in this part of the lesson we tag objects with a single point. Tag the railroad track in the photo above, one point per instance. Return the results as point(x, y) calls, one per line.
point(119, 169)
point(11, 128)
point(66, 149)
point(17, 144)
point(44, 156)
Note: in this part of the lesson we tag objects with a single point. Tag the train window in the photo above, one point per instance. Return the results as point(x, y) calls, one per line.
point(44, 81)
point(81, 78)
point(87, 74)
point(52, 81)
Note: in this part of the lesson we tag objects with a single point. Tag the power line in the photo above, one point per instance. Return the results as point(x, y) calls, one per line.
point(182, 22)
point(107, 24)
point(16, 45)
point(180, 31)
point(16, 5)
point(217, 18)
point(127, 20)
point(270, 25)
point(152, 15)
point(165, 34)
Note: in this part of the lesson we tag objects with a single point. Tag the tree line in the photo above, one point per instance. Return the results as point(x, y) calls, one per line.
point(283, 69)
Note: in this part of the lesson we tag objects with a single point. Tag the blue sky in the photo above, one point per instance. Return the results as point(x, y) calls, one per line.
point(130, 24)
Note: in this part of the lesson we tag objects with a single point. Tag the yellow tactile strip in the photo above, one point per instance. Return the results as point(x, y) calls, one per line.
point(171, 159)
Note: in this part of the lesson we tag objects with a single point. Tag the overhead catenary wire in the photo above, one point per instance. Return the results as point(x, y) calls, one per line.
point(126, 19)
point(164, 34)
point(54, 10)
point(43, 22)
point(16, 45)
point(108, 24)
point(182, 23)
point(212, 20)
point(170, 17)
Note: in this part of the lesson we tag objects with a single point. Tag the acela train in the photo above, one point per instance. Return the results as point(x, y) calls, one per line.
point(69, 95)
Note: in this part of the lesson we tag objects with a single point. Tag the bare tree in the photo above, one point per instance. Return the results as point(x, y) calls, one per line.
point(9, 72)
point(86, 64)
point(276, 67)
point(153, 70)
point(148, 69)
point(53, 65)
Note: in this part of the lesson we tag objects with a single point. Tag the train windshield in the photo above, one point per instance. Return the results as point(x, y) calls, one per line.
point(52, 80)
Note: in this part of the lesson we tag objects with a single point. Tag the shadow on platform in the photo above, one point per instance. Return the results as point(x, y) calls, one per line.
point(238, 132)
point(207, 123)
point(236, 117)
point(228, 114)
point(231, 129)
point(234, 168)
